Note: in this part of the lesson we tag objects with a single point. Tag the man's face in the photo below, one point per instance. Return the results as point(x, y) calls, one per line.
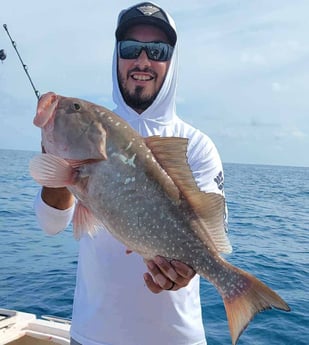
point(140, 79)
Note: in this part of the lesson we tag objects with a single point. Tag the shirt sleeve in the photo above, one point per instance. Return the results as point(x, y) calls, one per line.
point(50, 219)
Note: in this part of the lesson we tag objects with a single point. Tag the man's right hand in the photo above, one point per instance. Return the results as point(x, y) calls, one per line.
point(60, 198)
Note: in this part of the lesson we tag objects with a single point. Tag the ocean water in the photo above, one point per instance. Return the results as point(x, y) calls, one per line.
point(268, 221)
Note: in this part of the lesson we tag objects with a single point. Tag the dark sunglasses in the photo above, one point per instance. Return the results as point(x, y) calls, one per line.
point(156, 51)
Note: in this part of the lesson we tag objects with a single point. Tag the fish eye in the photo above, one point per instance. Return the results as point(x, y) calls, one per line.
point(76, 106)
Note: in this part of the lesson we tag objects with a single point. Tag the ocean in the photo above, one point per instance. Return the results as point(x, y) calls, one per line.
point(268, 222)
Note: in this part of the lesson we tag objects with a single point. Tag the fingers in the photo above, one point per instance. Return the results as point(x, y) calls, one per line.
point(151, 284)
point(167, 275)
point(183, 270)
point(162, 279)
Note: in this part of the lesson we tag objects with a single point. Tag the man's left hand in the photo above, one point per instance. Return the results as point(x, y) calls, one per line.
point(165, 275)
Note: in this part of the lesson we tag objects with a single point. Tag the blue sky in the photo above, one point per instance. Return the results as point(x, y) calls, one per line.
point(243, 79)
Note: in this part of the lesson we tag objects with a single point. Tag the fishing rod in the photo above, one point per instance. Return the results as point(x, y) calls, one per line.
point(24, 66)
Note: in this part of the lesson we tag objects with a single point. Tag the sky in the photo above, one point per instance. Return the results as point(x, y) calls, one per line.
point(243, 70)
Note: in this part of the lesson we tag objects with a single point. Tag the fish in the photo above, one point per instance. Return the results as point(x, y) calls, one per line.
point(143, 192)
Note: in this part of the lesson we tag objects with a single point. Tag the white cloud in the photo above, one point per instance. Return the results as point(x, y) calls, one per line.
point(253, 58)
point(287, 133)
point(278, 87)
point(298, 134)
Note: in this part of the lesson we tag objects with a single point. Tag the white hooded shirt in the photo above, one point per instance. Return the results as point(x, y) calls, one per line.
point(112, 304)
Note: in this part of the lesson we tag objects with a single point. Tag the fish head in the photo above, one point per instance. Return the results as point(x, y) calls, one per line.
point(71, 127)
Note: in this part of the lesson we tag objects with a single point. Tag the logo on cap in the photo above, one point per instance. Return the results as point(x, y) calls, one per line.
point(148, 10)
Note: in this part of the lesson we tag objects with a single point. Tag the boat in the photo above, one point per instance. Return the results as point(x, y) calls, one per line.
point(20, 328)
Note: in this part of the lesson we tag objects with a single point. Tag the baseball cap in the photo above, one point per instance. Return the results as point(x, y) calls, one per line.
point(145, 13)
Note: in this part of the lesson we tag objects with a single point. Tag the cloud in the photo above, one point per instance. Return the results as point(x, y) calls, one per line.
point(291, 133)
point(278, 87)
point(297, 133)
point(253, 58)
point(262, 124)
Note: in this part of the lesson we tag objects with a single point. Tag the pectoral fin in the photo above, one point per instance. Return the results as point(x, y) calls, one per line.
point(51, 171)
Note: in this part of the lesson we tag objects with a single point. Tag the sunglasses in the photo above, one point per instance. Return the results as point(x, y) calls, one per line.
point(156, 51)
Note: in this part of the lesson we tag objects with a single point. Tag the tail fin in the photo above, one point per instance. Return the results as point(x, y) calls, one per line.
point(256, 297)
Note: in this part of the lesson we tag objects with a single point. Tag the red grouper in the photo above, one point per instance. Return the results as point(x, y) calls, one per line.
point(143, 192)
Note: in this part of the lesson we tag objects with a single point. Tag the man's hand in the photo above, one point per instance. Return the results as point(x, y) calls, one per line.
point(59, 198)
point(166, 275)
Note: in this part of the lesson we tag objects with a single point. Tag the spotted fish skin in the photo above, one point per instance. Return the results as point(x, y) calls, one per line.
point(142, 190)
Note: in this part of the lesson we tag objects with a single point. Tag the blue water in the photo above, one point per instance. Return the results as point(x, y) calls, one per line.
point(269, 219)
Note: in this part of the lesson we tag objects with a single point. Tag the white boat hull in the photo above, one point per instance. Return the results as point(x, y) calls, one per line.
point(19, 328)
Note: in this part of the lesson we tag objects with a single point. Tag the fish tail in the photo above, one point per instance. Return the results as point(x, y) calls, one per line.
point(250, 297)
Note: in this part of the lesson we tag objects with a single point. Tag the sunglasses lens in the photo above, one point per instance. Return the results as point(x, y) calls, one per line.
point(129, 49)
point(157, 51)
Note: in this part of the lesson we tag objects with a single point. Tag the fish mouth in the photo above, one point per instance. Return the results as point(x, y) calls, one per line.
point(46, 107)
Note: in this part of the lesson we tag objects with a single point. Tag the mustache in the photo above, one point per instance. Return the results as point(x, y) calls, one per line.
point(145, 70)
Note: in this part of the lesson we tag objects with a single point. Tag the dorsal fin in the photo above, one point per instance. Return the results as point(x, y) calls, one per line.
point(171, 154)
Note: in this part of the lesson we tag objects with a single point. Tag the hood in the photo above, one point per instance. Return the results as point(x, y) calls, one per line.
point(162, 112)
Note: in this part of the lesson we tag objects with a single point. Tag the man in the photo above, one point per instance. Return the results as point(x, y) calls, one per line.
point(112, 304)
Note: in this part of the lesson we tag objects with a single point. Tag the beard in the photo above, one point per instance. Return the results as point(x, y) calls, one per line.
point(136, 99)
